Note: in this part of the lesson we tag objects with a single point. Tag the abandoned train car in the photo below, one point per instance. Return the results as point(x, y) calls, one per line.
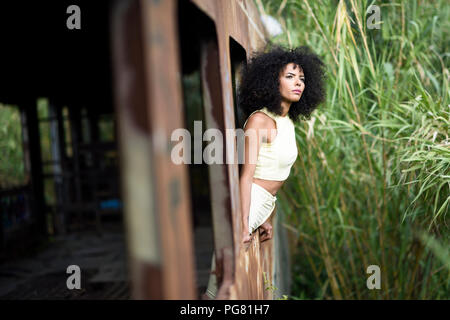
point(142, 69)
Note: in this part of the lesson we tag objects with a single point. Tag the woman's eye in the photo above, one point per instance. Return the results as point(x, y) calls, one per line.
point(289, 77)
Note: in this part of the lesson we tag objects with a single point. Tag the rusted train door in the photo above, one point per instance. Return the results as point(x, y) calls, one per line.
point(155, 190)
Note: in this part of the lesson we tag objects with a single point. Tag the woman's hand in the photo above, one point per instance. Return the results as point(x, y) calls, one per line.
point(266, 233)
point(246, 237)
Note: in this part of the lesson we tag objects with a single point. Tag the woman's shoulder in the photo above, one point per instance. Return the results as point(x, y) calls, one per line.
point(259, 118)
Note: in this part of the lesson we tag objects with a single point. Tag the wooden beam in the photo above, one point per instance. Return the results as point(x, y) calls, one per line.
point(37, 183)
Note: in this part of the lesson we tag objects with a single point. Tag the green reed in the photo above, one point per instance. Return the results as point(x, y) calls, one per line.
point(371, 185)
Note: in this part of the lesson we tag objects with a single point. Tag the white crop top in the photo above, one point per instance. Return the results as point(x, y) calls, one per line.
point(276, 158)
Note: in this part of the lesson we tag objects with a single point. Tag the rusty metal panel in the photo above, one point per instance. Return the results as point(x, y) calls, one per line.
point(267, 262)
point(148, 102)
point(218, 177)
point(207, 6)
point(149, 99)
point(135, 152)
point(248, 282)
point(163, 93)
point(239, 19)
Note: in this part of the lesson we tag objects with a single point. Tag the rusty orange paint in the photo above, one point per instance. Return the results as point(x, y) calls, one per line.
point(240, 270)
point(240, 20)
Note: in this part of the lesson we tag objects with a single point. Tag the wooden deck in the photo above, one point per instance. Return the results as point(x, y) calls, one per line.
point(102, 260)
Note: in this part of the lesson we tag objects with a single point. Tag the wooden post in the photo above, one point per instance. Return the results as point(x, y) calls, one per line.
point(37, 182)
point(75, 126)
point(57, 155)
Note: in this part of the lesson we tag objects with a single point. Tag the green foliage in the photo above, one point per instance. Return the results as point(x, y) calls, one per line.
point(372, 182)
point(12, 171)
point(268, 286)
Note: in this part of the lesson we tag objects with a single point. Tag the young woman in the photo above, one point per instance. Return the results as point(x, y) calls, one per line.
point(277, 88)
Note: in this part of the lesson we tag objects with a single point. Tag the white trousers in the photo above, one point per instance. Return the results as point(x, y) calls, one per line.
point(262, 203)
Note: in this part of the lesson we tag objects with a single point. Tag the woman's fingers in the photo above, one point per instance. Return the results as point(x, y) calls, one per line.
point(266, 227)
point(246, 238)
point(266, 233)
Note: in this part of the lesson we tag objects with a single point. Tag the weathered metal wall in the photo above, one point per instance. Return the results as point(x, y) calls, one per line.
point(149, 106)
point(148, 100)
point(239, 20)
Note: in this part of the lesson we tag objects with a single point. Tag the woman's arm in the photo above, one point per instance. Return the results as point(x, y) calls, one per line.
point(253, 137)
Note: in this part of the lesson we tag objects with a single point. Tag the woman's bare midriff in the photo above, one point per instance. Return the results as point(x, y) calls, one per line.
point(270, 185)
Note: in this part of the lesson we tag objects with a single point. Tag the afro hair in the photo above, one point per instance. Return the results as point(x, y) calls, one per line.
point(260, 82)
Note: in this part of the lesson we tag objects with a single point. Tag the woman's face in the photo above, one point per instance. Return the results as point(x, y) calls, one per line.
point(292, 83)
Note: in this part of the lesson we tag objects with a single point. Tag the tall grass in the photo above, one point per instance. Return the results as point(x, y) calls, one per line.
point(372, 182)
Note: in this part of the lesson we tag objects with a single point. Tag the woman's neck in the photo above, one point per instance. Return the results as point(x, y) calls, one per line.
point(285, 108)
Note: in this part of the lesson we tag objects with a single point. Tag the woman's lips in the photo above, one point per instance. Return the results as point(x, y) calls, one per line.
point(297, 91)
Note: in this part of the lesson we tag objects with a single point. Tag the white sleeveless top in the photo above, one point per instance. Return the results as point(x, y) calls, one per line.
point(276, 158)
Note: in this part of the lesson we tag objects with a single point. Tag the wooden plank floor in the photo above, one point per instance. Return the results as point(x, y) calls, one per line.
point(102, 260)
point(43, 275)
